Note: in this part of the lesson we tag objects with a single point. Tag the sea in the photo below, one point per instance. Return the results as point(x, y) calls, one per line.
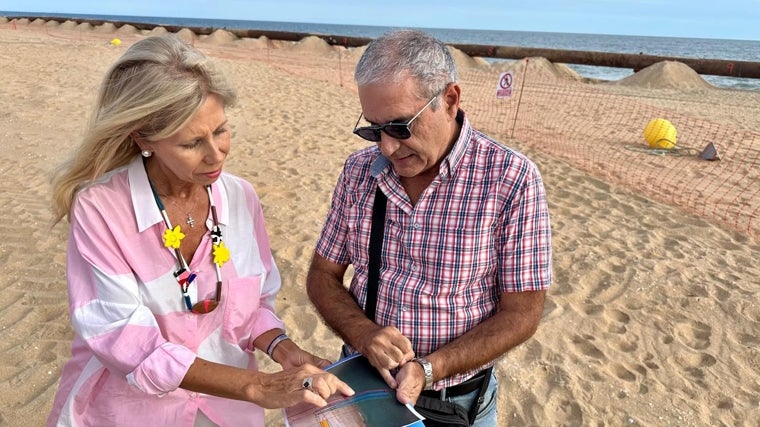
point(736, 50)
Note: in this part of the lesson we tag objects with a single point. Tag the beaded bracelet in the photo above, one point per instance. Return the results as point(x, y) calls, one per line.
point(272, 345)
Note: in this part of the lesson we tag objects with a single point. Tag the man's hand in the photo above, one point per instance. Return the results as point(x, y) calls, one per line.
point(411, 382)
point(387, 349)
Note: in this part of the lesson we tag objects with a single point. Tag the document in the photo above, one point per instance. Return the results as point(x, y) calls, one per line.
point(374, 403)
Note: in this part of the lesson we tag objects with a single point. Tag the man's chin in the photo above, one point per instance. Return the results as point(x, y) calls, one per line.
point(407, 169)
point(406, 173)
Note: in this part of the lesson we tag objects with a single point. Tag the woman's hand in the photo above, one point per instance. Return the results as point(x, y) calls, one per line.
point(290, 355)
point(290, 386)
point(278, 390)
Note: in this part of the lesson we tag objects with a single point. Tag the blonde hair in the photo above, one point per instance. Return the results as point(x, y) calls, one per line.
point(150, 93)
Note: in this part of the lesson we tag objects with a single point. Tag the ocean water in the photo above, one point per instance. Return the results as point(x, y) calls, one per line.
point(737, 50)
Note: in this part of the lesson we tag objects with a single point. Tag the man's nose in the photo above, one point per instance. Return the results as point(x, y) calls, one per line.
point(387, 144)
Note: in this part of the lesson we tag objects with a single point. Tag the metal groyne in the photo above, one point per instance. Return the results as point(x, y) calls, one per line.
point(715, 67)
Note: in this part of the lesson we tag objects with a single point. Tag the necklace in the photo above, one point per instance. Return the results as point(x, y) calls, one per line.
point(189, 220)
point(185, 277)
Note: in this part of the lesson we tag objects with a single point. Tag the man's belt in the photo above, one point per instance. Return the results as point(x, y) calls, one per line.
point(460, 389)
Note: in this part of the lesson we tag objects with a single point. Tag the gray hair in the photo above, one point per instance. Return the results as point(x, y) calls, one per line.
point(403, 53)
point(149, 93)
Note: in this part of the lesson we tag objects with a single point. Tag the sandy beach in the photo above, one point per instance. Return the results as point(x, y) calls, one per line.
point(653, 318)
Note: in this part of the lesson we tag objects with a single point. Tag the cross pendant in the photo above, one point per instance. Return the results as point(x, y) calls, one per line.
point(190, 221)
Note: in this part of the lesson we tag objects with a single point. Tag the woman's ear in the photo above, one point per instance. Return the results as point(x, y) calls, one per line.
point(139, 140)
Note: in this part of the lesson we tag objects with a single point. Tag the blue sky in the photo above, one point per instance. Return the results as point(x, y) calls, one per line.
point(726, 19)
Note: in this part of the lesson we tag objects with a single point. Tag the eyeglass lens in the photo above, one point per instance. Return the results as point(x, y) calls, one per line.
point(394, 130)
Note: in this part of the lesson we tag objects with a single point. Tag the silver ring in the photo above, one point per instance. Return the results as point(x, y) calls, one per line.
point(307, 383)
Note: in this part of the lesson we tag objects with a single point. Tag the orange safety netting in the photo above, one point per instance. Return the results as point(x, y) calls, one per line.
point(599, 131)
point(590, 126)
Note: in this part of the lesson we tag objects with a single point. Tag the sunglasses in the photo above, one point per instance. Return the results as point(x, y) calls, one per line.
point(392, 129)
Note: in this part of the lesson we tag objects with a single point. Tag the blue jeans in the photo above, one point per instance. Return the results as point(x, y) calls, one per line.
point(487, 414)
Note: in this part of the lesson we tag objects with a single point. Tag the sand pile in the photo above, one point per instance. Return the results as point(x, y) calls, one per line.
point(128, 29)
point(262, 42)
point(69, 25)
point(105, 28)
point(666, 75)
point(157, 31)
point(465, 61)
point(187, 35)
point(313, 45)
point(85, 26)
point(538, 65)
point(221, 37)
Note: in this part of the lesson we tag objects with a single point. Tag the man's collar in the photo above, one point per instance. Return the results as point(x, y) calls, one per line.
point(452, 160)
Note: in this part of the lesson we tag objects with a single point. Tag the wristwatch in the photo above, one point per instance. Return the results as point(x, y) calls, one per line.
point(427, 367)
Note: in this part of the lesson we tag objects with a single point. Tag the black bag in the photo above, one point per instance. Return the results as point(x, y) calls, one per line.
point(440, 413)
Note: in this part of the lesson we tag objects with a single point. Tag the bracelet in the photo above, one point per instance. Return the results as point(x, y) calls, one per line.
point(272, 345)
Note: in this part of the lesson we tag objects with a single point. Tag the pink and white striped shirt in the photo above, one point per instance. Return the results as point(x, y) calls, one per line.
point(135, 339)
point(481, 228)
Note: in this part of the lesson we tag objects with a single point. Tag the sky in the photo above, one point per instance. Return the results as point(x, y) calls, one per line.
point(722, 19)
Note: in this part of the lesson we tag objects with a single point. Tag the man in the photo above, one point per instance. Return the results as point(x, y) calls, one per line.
point(466, 256)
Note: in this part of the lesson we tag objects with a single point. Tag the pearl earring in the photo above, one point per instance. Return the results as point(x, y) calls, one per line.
point(146, 153)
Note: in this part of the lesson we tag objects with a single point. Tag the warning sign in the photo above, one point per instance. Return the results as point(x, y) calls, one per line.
point(504, 88)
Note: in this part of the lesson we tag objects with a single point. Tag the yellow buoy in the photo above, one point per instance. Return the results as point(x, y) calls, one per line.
point(116, 42)
point(660, 133)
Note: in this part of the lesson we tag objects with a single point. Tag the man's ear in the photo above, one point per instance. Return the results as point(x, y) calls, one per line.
point(451, 97)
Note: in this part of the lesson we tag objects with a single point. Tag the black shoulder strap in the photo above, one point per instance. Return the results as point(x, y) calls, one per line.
point(375, 251)
point(481, 398)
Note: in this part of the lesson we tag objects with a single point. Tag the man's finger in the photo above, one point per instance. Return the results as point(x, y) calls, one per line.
point(386, 374)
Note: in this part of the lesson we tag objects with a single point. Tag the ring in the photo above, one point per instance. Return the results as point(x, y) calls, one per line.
point(307, 383)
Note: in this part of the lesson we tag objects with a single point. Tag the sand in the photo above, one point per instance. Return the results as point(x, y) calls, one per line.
point(653, 317)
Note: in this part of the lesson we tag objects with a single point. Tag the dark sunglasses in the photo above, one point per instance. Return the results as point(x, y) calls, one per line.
point(394, 130)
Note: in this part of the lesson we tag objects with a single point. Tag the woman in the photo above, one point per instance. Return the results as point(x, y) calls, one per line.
point(170, 276)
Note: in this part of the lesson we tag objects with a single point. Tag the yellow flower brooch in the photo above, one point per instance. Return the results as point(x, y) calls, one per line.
point(173, 238)
point(221, 254)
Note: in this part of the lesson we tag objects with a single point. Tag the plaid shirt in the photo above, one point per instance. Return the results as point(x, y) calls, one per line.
point(481, 228)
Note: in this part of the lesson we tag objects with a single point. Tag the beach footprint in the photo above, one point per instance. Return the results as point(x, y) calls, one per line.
point(694, 334)
point(585, 345)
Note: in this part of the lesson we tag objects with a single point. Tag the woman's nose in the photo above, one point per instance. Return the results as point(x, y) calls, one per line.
point(216, 151)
